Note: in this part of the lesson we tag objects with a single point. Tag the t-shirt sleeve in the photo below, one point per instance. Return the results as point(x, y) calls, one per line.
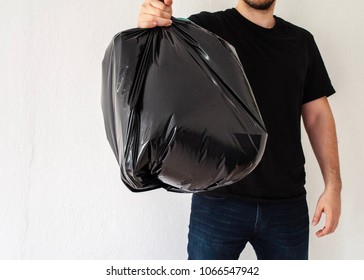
point(206, 20)
point(198, 19)
point(318, 83)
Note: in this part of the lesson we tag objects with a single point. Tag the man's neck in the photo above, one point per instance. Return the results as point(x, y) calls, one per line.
point(263, 18)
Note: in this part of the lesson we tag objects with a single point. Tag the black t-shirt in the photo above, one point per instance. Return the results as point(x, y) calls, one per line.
point(285, 70)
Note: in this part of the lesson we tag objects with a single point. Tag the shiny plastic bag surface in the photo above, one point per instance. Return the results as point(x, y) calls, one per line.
point(178, 109)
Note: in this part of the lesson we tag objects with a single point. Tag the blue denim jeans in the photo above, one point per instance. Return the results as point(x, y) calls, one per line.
point(220, 228)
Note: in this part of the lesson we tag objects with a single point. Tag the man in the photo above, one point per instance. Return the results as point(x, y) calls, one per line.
point(268, 208)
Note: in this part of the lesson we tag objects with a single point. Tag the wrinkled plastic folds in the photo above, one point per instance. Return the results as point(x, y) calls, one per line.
point(178, 109)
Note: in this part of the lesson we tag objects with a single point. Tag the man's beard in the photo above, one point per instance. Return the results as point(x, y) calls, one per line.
point(260, 6)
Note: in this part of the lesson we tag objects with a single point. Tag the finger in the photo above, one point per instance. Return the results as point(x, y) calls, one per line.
point(328, 228)
point(317, 216)
point(319, 233)
point(168, 2)
point(324, 231)
point(150, 10)
point(160, 3)
point(150, 18)
point(147, 24)
point(161, 6)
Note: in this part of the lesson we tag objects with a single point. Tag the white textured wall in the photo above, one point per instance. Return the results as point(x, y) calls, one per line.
point(60, 192)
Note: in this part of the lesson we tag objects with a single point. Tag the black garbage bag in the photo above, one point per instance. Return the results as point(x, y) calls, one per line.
point(178, 109)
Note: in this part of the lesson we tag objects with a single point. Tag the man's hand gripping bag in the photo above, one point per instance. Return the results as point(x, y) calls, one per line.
point(178, 109)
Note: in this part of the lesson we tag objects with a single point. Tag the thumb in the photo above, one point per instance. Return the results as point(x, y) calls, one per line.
point(168, 2)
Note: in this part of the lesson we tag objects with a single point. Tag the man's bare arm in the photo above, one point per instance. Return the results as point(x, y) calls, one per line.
point(320, 126)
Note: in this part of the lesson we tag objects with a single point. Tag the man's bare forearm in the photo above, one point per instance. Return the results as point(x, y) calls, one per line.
point(320, 126)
